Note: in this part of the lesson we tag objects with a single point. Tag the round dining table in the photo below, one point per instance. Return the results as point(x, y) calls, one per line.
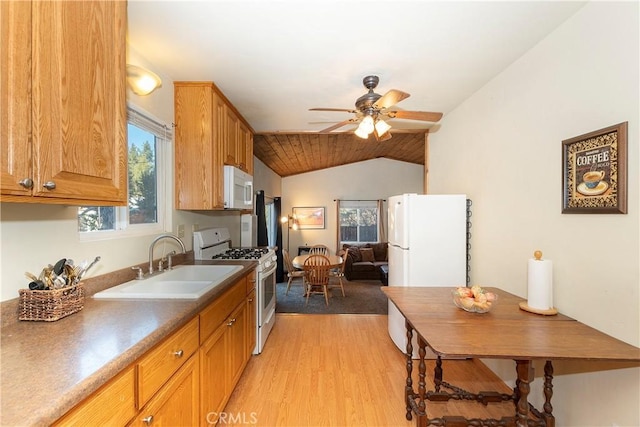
point(298, 262)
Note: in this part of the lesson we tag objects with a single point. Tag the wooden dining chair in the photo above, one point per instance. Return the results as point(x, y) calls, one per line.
point(338, 273)
point(316, 268)
point(319, 250)
point(292, 272)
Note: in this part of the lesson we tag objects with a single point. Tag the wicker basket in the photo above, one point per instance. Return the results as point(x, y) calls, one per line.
point(50, 305)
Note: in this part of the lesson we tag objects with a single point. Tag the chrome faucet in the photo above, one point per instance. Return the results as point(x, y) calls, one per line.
point(153, 245)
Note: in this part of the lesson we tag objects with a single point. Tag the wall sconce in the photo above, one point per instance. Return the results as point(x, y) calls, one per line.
point(292, 224)
point(141, 81)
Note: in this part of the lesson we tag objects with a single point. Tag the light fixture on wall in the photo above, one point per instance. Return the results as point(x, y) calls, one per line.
point(141, 81)
point(292, 224)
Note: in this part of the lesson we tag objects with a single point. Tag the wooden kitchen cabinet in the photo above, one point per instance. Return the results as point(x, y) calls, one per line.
point(223, 354)
point(230, 137)
point(112, 404)
point(199, 114)
point(208, 134)
point(245, 149)
point(159, 364)
point(252, 314)
point(62, 89)
point(188, 377)
point(176, 404)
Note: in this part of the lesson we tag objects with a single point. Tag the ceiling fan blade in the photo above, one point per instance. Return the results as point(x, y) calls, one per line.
point(346, 110)
point(391, 98)
point(338, 125)
point(425, 116)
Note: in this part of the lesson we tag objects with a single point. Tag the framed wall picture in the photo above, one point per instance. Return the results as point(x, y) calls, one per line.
point(309, 218)
point(594, 171)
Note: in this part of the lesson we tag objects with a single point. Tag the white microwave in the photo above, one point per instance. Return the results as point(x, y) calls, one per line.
point(238, 189)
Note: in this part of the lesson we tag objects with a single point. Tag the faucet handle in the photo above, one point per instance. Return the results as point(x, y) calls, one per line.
point(169, 263)
point(140, 274)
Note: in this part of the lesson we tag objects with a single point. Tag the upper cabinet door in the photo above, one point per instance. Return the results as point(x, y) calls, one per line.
point(231, 137)
point(79, 100)
point(15, 97)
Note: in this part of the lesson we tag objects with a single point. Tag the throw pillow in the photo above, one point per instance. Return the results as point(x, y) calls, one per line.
point(367, 255)
point(354, 253)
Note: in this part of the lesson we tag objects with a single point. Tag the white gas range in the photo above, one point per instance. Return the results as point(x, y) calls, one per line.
point(215, 244)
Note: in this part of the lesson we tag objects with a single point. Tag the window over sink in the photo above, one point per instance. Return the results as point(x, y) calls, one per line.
point(147, 210)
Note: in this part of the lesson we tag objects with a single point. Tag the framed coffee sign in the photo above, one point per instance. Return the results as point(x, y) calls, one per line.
point(594, 171)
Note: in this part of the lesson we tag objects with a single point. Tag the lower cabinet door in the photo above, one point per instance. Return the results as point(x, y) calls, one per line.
point(214, 378)
point(177, 402)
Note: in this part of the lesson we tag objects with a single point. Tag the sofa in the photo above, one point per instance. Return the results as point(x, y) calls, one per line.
point(364, 261)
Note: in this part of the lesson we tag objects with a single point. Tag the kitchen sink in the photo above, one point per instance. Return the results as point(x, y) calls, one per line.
point(183, 282)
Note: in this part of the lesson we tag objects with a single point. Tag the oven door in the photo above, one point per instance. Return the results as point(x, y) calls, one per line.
point(266, 315)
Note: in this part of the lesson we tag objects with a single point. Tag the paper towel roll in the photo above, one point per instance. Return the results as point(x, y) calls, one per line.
point(540, 284)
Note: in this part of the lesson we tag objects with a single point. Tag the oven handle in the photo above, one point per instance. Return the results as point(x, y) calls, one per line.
point(270, 270)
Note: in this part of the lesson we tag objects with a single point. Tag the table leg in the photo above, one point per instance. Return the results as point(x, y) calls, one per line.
point(408, 390)
point(548, 393)
point(437, 374)
point(422, 369)
point(525, 376)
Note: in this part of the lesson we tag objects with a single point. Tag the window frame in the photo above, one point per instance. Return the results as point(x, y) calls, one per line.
point(360, 204)
point(164, 144)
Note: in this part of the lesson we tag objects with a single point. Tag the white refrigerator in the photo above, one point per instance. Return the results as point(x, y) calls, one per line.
point(427, 247)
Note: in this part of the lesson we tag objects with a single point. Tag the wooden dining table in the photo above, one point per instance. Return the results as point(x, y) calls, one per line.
point(514, 334)
point(298, 262)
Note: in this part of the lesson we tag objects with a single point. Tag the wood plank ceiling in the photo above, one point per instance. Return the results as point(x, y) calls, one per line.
point(295, 153)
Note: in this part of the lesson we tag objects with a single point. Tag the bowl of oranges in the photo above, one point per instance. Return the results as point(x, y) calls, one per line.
point(474, 299)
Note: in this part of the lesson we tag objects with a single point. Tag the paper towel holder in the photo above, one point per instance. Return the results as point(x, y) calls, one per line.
point(550, 312)
point(523, 304)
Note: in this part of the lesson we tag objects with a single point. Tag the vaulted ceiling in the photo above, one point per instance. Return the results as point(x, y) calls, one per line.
point(293, 153)
point(274, 60)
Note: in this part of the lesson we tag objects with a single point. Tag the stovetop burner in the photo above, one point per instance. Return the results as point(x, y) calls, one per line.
point(242, 253)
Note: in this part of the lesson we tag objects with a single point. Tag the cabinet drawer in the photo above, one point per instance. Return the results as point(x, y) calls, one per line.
point(113, 404)
point(155, 368)
point(212, 316)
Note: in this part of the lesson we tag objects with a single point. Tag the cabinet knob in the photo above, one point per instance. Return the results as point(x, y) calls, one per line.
point(231, 322)
point(178, 353)
point(49, 185)
point(26, 183)
point(250, 299)
point(148, 420)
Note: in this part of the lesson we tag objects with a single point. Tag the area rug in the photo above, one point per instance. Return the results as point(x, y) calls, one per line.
point(361, 297)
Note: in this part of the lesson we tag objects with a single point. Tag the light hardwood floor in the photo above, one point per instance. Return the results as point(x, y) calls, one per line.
point(342, 370)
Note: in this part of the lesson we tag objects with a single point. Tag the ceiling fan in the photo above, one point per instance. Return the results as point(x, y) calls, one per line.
point(372, 108)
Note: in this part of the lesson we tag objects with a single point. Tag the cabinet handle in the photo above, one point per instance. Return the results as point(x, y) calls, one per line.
point(231, 322)
point(178, 353)
point(26, 183)
point(148, 420)
point(49, 185)
point(250, 299)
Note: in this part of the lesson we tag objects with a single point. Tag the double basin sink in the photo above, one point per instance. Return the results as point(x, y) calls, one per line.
point(182, 282)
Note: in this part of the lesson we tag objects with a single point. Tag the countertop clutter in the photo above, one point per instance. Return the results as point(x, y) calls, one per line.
point(49, 367)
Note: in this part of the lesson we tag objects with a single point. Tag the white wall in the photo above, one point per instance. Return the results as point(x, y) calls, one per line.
point(502, 147)
point(266, 179)
point(368, 180)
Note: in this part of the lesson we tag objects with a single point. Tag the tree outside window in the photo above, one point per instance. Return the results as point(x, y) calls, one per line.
point(142, 188)
point(359, 222)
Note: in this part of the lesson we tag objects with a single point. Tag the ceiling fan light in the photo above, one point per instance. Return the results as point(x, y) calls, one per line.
point(367, 124)
point(361, 133)
point(382, 127)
